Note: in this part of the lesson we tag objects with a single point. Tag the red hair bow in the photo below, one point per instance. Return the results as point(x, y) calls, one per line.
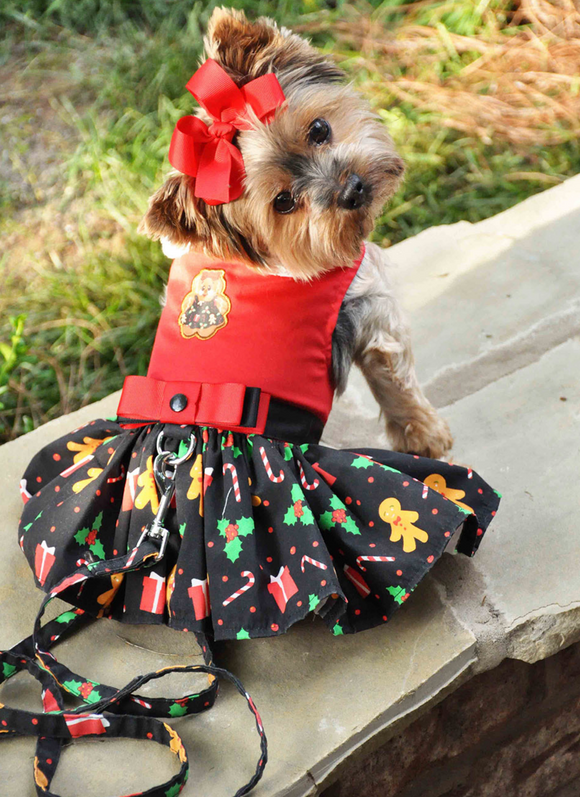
point(206, 152)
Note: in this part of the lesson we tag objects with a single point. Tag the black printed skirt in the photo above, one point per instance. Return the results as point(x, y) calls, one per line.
point(262, 532)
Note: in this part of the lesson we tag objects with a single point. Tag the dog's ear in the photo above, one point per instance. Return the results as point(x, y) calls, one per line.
point(240, 45)
point(248, 50)
point(179, 218)
point(175, 213)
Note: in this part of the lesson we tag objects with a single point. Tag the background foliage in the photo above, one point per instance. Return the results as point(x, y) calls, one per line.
point(482, 98)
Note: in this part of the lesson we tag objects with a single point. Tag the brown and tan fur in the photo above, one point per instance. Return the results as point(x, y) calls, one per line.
point(319, 233)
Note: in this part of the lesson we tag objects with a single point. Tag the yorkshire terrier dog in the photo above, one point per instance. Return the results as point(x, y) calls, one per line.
point(316, 178)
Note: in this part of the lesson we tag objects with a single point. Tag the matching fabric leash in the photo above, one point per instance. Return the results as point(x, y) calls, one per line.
point(128, 714)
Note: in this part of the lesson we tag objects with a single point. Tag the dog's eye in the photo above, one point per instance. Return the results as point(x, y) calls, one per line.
point(319, 132)
point(284, 202)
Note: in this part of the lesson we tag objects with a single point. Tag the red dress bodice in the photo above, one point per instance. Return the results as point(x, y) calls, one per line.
point(225, 322)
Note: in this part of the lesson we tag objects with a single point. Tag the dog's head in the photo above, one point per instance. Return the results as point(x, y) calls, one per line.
point(316, 176)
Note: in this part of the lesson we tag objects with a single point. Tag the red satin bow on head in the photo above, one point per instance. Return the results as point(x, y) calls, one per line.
point(206, 152)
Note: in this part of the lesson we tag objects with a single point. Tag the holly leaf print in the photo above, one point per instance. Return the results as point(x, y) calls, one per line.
point(296, 492)
point(361, 462)
point(336, 503)
point(65, 617)
point(182, 529)
point(98, 522)
point(93, 697)
point(81, 536)
point(242, 634)
point(222, 526)
point(398, 593)
point(233, 549)
point(313, 601)
point(288, 454)
point(8, 670)
point(245, 526)
point(74, 687)
point(173, 791)
point(337, 630)
point(350, 525)
point(237, 452)
point(304, 448)
point(25, 528)
point(177, 710)
point(97, 549)
point(325, 520)
point(290, 518)
point(307, 518)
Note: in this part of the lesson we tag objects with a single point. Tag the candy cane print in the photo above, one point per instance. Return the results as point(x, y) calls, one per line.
point(305, 484)
point(373, 559)
point(235, 482)
point(118, 478)
point(320, 565)
point(241, 590)
point(425, 491)
point(276, 479)
point(469, 473)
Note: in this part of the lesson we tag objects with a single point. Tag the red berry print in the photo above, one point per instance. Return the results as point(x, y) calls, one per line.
point(232, 531)
point(339, 516)
point(298, 510)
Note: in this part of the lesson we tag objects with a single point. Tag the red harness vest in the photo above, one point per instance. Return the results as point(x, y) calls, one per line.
point(226, 327)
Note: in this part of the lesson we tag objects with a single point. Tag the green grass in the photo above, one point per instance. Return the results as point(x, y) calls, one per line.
point(93, 90)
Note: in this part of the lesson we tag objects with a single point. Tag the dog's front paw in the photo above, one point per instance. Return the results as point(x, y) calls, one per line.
point(426, 434)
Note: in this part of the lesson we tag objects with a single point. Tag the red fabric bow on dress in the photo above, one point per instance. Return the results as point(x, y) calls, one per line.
point(206, 152)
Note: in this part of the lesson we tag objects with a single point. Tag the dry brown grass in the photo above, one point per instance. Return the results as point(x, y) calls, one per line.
point(519, 81)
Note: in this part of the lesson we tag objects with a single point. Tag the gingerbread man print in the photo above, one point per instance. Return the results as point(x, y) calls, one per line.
point(205, 308)
point(402, 522)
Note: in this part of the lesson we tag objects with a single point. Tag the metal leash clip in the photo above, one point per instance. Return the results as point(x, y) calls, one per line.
point(164, 470)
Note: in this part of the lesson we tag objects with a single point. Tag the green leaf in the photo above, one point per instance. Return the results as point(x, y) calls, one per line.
point(74, 687)
point(398, 593)
point(307, 518)
point(288, 453)
point(325, 520)
point(8, 670)
point(233, 548)
point(93, 697)
point(296, 493)
point(237, 452)
point(97, 549)
point(350, 525)
point(173, 791)
point(65, 617)
point(222, 526)
point(336, 503)
point(81, 536)
point(245, 526)
point(182, 529)
point(98, 522)
point(361, 462)
point(242, 634)
point(337, 630)
point(313, 601)
point(177, 710)
point(290, 518)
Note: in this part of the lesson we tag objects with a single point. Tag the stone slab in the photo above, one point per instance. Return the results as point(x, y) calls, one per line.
point(521, 435)
point(471, 288)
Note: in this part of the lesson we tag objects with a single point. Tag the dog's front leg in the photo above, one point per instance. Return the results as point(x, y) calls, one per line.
point(382, 350)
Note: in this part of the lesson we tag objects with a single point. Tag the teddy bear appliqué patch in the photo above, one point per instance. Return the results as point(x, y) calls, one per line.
point(205, 308)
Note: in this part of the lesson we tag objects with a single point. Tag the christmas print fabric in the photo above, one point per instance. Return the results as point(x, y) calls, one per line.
point(262, 532)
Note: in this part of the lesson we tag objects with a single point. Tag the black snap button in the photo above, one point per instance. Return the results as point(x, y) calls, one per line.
point(178, 402)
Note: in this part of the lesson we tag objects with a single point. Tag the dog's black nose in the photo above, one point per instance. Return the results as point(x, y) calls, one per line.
point(352, 195)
